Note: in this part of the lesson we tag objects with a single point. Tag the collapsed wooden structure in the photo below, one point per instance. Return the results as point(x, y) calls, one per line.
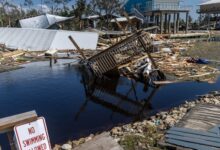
point(121, 53)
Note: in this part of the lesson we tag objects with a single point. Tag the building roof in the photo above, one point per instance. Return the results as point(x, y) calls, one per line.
point(97, 16)
point(210, 2)
point(44, 39)
point(43, 21)
point(124, 19)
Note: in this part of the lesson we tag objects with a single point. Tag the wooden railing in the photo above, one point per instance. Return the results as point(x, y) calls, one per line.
point(7, 124)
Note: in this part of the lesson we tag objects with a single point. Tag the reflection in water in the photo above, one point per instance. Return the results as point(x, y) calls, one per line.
point(75, 104)
point(103, 91)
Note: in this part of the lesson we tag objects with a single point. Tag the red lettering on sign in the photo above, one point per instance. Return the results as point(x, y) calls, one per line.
point(41, 147)
point(31, 130)
point(34, 140)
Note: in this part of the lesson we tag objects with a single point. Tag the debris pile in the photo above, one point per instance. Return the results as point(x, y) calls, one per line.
point(160, 55)
point(177, 66)
point(119, 54)
point(9, 60)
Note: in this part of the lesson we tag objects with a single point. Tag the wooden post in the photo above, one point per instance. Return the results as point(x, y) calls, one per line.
point(161, 22)
point(165, 28)
point(169, 24)
point(178, 23)
point(51, 61)
point(7, 124)
point(174, 23)
point(157, 19)
point(11, 140)
point(187, 22)
point(209, 21)
point(77, 47)
point(200, 19)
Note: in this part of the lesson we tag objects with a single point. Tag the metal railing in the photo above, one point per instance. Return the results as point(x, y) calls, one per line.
point(171, 7)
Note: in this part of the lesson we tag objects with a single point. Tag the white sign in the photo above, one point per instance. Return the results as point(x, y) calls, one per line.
point(33, 136)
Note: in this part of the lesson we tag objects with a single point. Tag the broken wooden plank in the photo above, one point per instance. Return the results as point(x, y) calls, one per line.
point(77, 47)
point(164, 82)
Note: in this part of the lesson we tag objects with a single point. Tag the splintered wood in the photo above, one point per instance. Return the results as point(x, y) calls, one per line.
point(170, 61)
point(182, 70)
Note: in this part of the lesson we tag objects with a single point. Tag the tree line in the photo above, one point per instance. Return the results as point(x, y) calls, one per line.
point(11, 12)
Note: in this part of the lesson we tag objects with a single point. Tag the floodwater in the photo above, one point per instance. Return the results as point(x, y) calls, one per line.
point(75, 105)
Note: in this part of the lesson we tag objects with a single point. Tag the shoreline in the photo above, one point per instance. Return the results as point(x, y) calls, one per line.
point(148, 133)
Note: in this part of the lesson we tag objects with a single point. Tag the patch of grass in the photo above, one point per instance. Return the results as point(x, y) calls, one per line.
point(145, 141)
point(206, 50)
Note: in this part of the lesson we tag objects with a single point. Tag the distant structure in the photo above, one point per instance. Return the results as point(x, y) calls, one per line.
point(93, 20)
point(125, 24)
point(210, 8)
point(46, 21)
point(163, 13)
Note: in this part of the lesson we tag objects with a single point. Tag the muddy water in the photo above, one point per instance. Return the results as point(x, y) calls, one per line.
point(74, 104)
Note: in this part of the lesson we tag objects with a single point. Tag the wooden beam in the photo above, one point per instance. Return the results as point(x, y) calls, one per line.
point(77, 47)
point(7, 124)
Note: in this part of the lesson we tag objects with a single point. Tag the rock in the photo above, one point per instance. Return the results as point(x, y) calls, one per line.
point(82, 140)
point(170, 121)
point(88, 139)
point(216, 101)
point(163, 115)
point(66, 147)
point(75, 143)
point(207, 100)
point(150, 123)
point(117, 131)
point(56, 147)
point(183, 110)
point(175, 112)
point(117, 139)
point(162, 127)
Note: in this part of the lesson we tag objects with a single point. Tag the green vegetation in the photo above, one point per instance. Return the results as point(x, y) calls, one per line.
point(206, 50)
point(11, 12)
point(140, 142)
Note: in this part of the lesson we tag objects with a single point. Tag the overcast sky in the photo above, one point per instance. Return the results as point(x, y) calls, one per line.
point(192, 3)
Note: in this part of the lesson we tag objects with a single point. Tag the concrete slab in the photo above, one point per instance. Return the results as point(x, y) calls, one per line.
point(100, 142)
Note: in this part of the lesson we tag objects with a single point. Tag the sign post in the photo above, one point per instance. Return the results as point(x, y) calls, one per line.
point(33, 136)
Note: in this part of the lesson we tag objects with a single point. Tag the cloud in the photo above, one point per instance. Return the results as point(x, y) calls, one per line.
point(43, 7)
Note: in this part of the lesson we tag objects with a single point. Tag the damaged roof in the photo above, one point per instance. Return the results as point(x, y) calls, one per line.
point(44, 39)
point(43, 21)
point(124, 19)
point(210, 2)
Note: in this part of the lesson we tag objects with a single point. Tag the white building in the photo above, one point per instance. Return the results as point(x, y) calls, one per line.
point(211, 6)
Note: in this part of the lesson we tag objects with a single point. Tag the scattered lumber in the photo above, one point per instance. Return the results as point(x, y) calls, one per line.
point(189, 35)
